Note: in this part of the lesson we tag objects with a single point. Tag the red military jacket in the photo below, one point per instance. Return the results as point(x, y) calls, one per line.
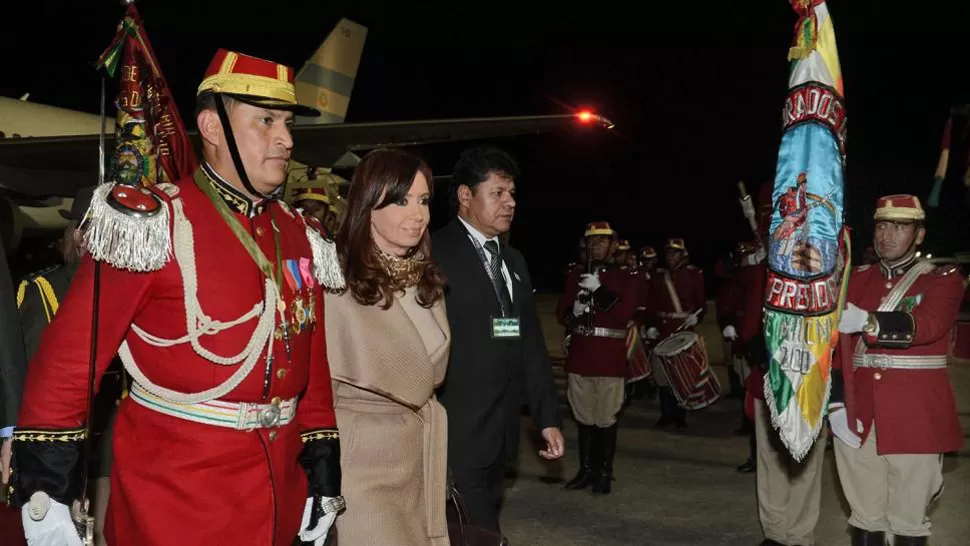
point(613, 307)
point(913, 410)
point(688, 284)
point(752, 280)
point(175, 481)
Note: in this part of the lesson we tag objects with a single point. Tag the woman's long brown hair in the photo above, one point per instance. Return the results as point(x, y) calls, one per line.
point(389, 173)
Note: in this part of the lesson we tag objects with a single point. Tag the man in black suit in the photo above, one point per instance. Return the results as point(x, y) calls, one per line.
point(13, 365)
point(497, 348)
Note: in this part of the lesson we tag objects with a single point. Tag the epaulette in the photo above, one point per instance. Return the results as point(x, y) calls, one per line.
point(326, 264)
point(39, 273)
point(130, 227)
point(864, 267)
point(692, 267)
point(946, 269)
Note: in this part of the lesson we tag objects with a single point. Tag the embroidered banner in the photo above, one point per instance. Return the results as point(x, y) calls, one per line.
point(808, 246)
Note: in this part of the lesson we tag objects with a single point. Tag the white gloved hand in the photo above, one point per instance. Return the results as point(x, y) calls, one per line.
point(653, 333)
point(56, 528)
point(853, 319)
point(579, 308)
point(838, 421)
point(690, 321)
point(730, 333)
point(590, 281)
point(317, 535)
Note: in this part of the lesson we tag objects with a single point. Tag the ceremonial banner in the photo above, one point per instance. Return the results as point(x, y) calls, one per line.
point(808, 245)
point(151, 143)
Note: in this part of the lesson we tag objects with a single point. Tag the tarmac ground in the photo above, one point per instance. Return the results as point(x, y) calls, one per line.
point(679, 487)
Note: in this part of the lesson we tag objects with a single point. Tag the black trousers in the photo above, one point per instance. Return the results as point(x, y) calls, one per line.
point(481, 489)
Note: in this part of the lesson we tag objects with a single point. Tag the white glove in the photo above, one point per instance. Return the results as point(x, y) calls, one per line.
point(652, 333)
point(590, 281)
point(853, 319)
point(56, 528)
point(317, 535)
point(840, 427)
point(730, 333)
point(690, 321)
point(579, 308)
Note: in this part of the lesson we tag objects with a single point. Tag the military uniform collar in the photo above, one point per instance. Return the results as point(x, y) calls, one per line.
point(898, 269)
point(237, 200)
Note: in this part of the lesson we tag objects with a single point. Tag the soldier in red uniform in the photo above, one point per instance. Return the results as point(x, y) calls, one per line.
point(727, 304)
point(675, 301)
point(228, 434)
point(311, 197)
point(648, 262)
point(598, 308)
point(892, 410)
point(621, 256)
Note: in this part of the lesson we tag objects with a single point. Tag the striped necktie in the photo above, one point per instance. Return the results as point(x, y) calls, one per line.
point(498, 280)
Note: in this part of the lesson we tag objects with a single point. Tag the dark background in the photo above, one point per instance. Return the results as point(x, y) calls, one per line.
point(695, 89)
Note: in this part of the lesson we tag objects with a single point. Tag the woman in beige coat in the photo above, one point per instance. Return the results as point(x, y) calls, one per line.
point(388, 343)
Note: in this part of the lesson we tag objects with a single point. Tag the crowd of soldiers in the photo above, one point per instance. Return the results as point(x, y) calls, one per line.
point(898, 314)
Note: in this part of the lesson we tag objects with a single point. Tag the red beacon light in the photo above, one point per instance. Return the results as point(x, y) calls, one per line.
point(587, 117)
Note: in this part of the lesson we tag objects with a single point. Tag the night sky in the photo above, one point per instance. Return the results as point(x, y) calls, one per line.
point(695, 90)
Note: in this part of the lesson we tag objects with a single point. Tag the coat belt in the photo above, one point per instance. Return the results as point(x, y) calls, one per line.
point(234, 415)
point(435, 456)
point(587, 331)
point(901, 362)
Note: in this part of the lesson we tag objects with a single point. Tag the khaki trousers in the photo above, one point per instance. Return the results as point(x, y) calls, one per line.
point(789, 493)
point(889, 493)
point(595, 401)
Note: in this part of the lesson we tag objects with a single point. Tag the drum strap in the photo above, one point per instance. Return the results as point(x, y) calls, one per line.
point(674, 298)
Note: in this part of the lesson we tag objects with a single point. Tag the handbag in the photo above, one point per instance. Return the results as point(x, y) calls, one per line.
point(462, 533)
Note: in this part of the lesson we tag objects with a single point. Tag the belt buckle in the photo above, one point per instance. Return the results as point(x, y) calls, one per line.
point(270, 416)
point(882, 361)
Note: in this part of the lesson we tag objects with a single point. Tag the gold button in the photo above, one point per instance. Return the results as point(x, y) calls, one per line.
point(281, 373)
point(259, 232)
point(272, 436)
point(276, 400)
point(877, 376)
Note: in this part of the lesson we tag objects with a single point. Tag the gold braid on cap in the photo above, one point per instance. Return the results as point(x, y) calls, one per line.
point(404, 272)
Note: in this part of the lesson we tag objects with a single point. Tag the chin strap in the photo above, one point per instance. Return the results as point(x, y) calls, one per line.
point(234, 151)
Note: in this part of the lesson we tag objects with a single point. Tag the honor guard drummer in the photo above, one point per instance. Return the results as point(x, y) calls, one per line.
point(892, 411)
point(675, 300)
point(228, 434)
point(597, 307)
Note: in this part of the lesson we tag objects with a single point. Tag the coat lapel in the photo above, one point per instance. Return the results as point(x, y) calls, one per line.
point(470, 261)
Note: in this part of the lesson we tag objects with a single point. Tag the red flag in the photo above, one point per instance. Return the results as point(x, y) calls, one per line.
point(151, 144)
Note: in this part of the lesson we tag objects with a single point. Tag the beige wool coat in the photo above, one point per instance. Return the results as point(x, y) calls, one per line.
point(385, 366)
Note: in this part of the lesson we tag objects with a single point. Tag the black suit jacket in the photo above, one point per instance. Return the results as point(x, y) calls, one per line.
point(486, 377)
point(13, 362)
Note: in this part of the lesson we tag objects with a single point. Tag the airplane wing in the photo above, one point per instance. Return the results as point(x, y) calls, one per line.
point(57, 165)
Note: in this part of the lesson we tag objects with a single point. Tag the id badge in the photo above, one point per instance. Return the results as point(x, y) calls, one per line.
point(505, 327)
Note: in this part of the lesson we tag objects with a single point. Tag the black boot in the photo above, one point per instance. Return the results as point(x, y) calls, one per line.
point(861, 537)
point(900, 540)
point(607, 446)
point(668, 407)
point(587, 446)
point(681, 415)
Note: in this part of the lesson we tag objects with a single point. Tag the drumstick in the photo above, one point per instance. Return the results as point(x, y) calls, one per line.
point(683, 324)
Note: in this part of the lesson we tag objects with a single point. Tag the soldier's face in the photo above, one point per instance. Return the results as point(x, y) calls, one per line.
point(314, 208)
point(894, 240)
point(264, 143)
point(491, 205)
point(399, 227)
point(621, 256)
point(674, 257)
point(598, 247)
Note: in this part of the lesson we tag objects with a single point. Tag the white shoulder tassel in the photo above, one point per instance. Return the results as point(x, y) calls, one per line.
point(326, 265)
point(127, 241)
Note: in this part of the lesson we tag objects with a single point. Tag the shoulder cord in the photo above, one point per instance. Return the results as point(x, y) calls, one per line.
point(198, 324)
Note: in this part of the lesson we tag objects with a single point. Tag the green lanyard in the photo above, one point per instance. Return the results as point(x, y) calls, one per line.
point(247, 241)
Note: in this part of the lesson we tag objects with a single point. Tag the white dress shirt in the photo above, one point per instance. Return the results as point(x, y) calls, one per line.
point(479, 239)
